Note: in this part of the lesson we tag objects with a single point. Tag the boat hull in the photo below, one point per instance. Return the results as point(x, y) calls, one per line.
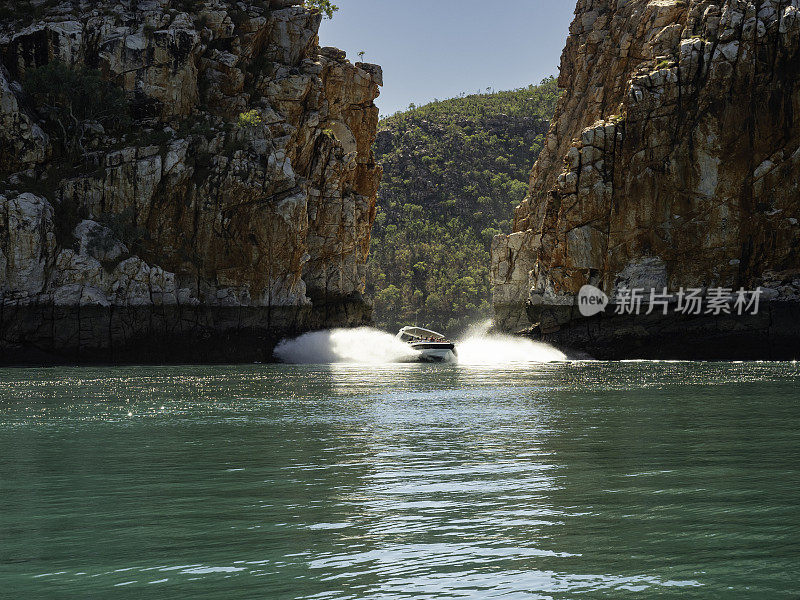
point(435, 352)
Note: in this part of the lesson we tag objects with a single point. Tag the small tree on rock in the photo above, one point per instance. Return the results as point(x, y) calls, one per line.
point(326, 7)
point(249, 119)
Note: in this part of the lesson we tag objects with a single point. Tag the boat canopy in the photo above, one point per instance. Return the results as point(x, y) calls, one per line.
point(407, 333)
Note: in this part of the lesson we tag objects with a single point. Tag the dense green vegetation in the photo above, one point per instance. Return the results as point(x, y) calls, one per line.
point(26, 10)
point(74, 99)
point(453, 172)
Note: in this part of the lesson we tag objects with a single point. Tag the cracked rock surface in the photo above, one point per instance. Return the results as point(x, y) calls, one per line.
point(674, 150)
point(217, 229)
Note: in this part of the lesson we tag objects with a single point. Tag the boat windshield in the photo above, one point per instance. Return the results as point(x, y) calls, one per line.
point(411, 334)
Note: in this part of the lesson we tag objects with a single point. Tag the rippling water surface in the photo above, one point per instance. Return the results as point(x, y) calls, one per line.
point(583, 480)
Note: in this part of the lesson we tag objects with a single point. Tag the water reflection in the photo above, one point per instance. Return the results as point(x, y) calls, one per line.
point(423, 481)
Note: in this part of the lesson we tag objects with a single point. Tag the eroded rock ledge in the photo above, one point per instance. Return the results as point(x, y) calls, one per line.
point(189, 236)
point(673, 160)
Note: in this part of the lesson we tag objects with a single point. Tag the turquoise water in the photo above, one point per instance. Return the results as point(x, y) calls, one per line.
point(586, 480)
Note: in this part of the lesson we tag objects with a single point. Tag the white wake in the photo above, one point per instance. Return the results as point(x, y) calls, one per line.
point(479, 347)
point(372, 346)
point(362, 345)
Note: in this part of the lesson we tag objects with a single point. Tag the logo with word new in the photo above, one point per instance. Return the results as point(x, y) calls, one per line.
point(591, 301)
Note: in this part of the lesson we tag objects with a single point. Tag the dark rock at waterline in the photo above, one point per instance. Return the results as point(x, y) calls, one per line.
point(46, 334)
point(772, 334)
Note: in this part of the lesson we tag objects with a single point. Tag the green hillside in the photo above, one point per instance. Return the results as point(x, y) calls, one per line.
point(453, 172)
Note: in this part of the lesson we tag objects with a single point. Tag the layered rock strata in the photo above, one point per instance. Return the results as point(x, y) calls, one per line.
point(235, 208)
point(673, 161)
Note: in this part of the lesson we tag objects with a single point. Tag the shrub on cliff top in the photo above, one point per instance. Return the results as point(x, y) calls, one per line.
point(72, 98)
point(326, 7)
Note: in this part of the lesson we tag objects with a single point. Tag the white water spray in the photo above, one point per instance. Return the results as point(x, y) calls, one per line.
point(479, 347)
point(371, 346)
point(362, 345)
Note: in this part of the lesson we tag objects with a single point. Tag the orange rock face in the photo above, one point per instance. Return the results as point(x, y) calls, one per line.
point(673, 158)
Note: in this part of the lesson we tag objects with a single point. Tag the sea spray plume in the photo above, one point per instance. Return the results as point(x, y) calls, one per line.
point(362, 345)
point(365, 345)
point(481, 347)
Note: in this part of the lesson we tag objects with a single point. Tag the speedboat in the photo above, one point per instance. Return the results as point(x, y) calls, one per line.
point(432, 346)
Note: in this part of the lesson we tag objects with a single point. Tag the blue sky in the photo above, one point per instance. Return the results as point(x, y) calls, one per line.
point(439, 48)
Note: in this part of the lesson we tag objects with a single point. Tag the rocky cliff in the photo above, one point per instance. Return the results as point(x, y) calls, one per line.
point(228, 203)
point(673, 161)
